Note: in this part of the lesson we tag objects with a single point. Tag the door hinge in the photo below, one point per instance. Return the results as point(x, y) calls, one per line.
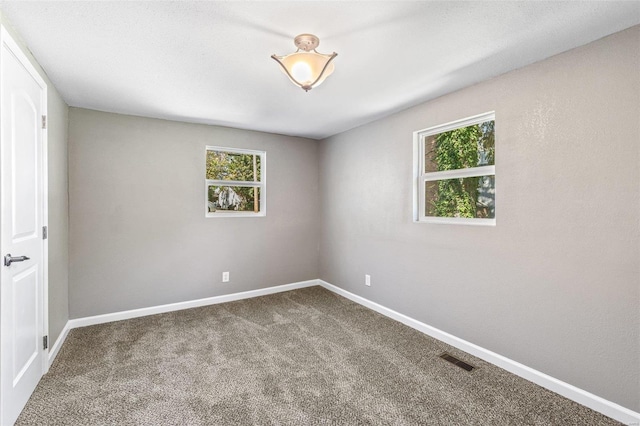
point(45, 342)
point(45, 232)
point(44, 121)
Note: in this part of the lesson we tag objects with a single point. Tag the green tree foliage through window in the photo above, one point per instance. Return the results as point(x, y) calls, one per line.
point(238, 168)
point(462, 148)
point(222, 165)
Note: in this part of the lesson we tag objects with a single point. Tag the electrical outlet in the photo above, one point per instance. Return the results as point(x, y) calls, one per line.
point(367, 280)
point(225, 277)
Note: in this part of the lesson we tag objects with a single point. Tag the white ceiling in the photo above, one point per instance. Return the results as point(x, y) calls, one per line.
point(208, 62)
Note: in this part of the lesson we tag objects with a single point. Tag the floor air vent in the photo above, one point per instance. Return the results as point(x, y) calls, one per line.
point(455, 361)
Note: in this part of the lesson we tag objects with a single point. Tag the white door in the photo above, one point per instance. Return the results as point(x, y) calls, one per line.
point(22, 308)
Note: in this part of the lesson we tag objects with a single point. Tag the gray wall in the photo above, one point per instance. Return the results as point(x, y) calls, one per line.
point(556, 284)
point(138, 233)
point(58, 199)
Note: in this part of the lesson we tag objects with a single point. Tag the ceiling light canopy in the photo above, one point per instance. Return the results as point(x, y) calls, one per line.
point(305, 67)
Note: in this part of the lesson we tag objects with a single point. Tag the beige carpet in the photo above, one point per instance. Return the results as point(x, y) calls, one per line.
point(304, 357)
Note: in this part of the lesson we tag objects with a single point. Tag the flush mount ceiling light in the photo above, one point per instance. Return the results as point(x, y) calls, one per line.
point(305, 67)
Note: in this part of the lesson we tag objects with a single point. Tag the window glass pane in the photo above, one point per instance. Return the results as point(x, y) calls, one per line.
point(223, 165)
point(473, 197)
point(461, 148)
point(233, 198)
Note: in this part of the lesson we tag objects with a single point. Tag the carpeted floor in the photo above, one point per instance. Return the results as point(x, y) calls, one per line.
point(303, 357)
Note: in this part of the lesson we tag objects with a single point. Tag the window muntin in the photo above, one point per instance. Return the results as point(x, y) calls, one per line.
point(455, 172)
point(234, 182)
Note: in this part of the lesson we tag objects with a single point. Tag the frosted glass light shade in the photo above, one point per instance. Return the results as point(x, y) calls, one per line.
point(306, 68)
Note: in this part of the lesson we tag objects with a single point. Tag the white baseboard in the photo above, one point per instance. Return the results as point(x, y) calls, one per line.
point(142, 312)
point(55, 348)
point(608, 408)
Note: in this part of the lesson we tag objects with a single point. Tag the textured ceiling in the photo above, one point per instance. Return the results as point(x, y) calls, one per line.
point(208, 62)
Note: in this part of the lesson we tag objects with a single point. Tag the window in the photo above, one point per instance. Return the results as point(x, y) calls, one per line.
point(455, 172)
point(235, 182)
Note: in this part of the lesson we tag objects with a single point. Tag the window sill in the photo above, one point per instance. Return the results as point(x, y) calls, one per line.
point(234, 214)
point(457, 221)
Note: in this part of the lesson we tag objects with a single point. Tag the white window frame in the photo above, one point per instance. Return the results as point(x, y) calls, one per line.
point(262, 184)
point(420, 177)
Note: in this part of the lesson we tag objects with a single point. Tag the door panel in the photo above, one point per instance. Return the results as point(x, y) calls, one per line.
point(22, 209)
point(25, 341)
point(25, 119)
